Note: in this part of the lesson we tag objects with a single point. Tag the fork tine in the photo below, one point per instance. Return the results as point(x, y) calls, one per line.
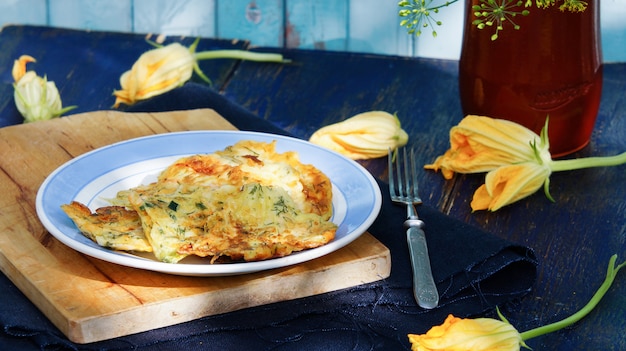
point(414, 181)
point(403, 175)
point(403, 179)
point(392, 187)
point(398, 184)
point(406, 187)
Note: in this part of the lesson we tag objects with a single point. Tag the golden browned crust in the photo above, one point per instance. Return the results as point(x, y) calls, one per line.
point(246, 202)
point(114, 227)
point(250, 161)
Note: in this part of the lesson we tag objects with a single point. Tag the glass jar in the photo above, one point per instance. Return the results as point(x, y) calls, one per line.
point(550, 67)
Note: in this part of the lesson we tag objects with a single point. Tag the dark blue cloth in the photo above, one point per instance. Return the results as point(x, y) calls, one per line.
point(475, 271)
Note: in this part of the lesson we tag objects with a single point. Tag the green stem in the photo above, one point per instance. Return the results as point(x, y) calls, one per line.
point(447, 3)
point(588, 162)
point(65, 110)
point(595, 299)
point(239, 54)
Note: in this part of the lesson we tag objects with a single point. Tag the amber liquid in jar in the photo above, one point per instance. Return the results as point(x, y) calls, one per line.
point(551, 66)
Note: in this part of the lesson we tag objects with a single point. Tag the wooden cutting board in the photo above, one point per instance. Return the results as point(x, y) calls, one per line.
point(91, 300)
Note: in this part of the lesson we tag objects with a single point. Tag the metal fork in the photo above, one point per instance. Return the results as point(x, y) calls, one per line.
point(404, 190)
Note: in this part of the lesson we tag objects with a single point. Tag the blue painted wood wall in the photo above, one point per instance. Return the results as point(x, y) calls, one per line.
point(369, 26)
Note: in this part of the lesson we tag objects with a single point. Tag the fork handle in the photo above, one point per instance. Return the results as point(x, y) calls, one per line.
point(424, 287)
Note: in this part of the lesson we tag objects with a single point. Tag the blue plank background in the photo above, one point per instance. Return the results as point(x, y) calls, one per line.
point(368, 26)
point(261, 22)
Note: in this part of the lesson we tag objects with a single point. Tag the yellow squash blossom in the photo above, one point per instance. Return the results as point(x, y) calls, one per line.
point(479, 144)
point(517, 160)
point(36, 98)
point(167, 67)
point(456, 334)
point(155, 72)
point(363, 136)
point(507, 184)
point(488, 334)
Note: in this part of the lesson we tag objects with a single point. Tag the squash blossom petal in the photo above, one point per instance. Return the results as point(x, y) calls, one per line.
point(457, 334)
point(36, 98)
point(19, 66)
point(479, 144)
point(507, 184)
point(155, 72)
point(517, 160)
point(366, 135)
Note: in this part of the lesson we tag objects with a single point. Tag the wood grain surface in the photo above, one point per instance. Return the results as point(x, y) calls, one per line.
point(91, 300)
point(573, 237)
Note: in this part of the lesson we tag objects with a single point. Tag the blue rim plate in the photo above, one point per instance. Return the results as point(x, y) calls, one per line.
point(99, 174)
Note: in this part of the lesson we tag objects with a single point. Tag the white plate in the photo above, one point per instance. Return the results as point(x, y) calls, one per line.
point(99, 174)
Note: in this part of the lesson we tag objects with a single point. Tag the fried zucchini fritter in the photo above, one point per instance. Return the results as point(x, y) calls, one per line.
point(113, 227)
point(246, 202)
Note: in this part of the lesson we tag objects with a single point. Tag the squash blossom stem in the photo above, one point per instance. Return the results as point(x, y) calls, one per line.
point(595, 299)
point(239, 54)
point(165, 68)
point(588, 162)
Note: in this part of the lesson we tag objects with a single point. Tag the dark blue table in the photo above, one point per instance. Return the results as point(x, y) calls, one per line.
point(573, 238)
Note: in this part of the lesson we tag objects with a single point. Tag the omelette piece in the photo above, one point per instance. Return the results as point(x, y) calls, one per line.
point(250, 223)
point(259, 222)
point(250, 161)
point(113, 227)
point(164, 226)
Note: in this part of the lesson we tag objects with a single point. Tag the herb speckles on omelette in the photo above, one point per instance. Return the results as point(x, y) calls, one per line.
point(246, 202)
